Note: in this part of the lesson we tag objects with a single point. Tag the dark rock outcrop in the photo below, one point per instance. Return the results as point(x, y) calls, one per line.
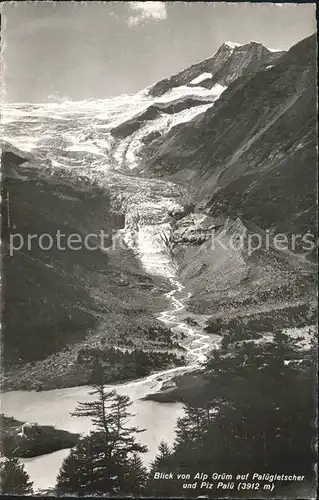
point(147, 139)
point(25, 440)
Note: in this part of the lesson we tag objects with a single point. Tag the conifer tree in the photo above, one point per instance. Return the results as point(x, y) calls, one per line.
point(90, 468)
point(14, 480)
point(161, 459)
point(192, 427)
point(109, 414)
point(104, 461)
point(136, 476)
point(163, 462)
point(164, 453)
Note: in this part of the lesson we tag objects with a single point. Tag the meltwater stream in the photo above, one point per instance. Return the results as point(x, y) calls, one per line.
point(75, 138)
point(53, 407)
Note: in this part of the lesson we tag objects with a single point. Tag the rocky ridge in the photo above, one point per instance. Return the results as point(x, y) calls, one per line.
point(253, 154)
point(229, 63)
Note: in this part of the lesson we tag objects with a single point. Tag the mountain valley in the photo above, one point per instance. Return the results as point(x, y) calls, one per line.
point(194, 161)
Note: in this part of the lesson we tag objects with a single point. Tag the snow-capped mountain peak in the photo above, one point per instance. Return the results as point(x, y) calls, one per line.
point(126, 123)
point(232, 45)
point(229, 62)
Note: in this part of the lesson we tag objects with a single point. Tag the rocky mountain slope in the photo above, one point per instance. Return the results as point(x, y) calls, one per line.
point(225, 279)
point(189, 93)
point(253, 154)
point(231, 61)
point(249, 163)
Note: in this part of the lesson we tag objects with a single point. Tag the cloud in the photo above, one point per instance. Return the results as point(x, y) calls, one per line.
point(147, 11)
point(114, 15)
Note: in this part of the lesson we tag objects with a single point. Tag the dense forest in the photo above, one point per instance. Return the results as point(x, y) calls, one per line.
point(256, 413)
point(115, 365)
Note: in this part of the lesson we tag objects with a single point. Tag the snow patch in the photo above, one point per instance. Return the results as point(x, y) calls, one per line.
point(217, 90)
point(201, 78)
point(305, 333)
point(274, 50)
point(270, 50)
point(183, 92)
point(232, 45)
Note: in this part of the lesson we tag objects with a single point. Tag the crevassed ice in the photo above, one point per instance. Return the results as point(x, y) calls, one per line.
point(75, 137)
point(152, 250)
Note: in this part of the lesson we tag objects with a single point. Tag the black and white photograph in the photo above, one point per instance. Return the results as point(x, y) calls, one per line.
point(159, 244)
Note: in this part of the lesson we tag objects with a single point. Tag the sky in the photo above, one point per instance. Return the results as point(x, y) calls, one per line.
point(102, 49)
